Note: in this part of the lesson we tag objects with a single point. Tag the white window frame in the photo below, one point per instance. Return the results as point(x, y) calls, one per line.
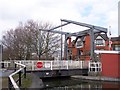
point(80, 45)
point(102, 40)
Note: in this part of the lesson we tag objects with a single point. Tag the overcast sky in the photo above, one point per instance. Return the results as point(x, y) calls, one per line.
point(102, 13)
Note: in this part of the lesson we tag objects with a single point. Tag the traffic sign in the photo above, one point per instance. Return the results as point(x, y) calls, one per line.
point(110, 42)
point(39, 64)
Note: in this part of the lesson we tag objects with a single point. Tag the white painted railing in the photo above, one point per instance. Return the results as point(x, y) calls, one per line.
point(4, 64)
point(11, 81)
point(53, 65)
point(95, 67)
point(31, 65)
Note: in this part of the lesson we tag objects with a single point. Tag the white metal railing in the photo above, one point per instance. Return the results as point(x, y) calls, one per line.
point(95, 66)
point(5, 64)
point(12, 82)
point(53, 65)
point(59, 64)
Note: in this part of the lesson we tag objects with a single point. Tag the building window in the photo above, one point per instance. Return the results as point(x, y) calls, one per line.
point(79, 43)
point(70, 52)
point(117, 48)
point(73, 45)
point(70, 57)
point(80, 52)
point(100, 41)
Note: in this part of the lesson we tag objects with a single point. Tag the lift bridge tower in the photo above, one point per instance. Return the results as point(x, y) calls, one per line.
point(92, 30)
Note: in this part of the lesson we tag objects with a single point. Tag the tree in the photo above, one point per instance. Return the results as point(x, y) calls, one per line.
point(25, 40)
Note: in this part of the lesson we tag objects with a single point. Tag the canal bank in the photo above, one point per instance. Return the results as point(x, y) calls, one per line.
point(77, 84)
point(73, 82)
point(97, 78)
point(31, 81)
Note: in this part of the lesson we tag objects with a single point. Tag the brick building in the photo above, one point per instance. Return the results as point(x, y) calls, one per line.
point(79, 49)
point(115, 43)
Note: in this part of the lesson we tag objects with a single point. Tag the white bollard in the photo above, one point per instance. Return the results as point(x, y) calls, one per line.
point(33, 66)
point(67, 64)
point(81, 64)
point(51, 65)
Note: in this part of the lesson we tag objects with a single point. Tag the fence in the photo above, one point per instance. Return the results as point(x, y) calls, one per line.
point(59, 64)
point(52, 65)
point(4, 64)
point(13, 83)
point(95, 66)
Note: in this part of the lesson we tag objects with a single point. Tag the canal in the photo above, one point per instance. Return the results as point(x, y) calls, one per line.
point(70, 83)
point(76, 84)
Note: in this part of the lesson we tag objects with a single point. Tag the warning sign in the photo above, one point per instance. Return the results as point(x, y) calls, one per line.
point(39, 64)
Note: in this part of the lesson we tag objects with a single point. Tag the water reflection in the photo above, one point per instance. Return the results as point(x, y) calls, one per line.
point(76, 84)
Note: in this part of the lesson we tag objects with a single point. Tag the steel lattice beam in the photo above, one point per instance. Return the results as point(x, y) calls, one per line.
point(91, 31)
point(86, 25)
point(59, 26)
point(59, 32)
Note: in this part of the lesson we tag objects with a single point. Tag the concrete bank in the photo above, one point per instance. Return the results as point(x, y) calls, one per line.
point(98, 78)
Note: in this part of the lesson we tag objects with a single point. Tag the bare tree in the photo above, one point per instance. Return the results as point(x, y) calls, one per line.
point(50, 42)
point(24, 40)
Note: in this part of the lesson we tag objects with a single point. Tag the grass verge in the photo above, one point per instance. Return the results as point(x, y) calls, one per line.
point(26, 82)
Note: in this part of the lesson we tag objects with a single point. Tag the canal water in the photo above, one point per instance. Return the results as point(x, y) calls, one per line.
point(77, 84)
point(5, 73)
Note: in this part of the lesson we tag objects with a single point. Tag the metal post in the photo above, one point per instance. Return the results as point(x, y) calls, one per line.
point(39, 46)
point(1, 51)
point(66, 48)
point(61, 47)
point(81, 64)
point(33, 66)
point(89, 63)
point(61, 41)
point(51, 65)
point(95, 66)
point(2, 64)
point(119, 18)
point(9, 84)
point(19, 78)
point(7, 64)
point(15, 67)
point(25, 72)
point(67, 64)
point(109, 38)
point(92, 44)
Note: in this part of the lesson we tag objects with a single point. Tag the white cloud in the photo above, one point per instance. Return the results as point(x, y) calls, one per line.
point(97, 12)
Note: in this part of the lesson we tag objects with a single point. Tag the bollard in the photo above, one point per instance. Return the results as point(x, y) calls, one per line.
point(51, 64)
point(15, 67)
point(25, 72)
point(20, 78)
point(2, 65)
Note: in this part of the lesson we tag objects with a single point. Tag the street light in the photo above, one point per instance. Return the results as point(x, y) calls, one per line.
point(61, 42)
point(39, 43)
point(0, 52)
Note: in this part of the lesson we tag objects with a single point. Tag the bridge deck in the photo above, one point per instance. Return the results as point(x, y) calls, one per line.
point(54, 65)
point(57, 68)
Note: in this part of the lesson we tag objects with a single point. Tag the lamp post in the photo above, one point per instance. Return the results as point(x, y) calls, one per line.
point(61, 42)
point(1, 51)
point(39, 43)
